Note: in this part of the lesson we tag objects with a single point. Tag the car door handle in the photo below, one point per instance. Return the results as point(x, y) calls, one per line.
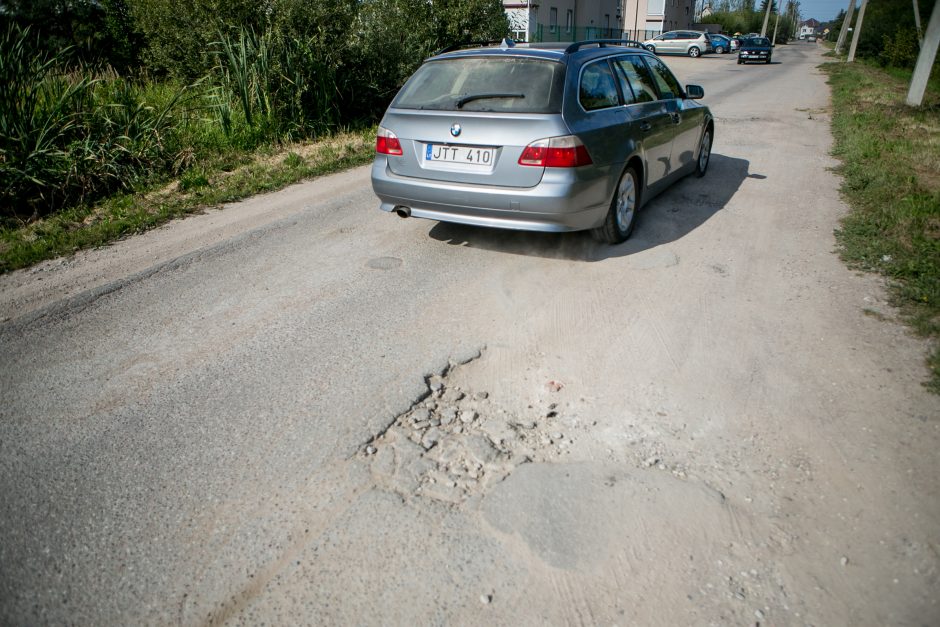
point(646, 127)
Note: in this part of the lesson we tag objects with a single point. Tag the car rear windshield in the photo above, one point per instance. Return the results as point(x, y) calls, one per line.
point(498, 84)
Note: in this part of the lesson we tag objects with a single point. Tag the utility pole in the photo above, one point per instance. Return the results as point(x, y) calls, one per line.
point(846, 25)
point(858, 31)
point(773, 41)
point(920, 32)
point(636, 23)
point(928, 52)
point(763, 31)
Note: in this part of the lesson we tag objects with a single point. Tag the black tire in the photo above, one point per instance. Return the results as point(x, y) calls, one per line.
point(620, 219)
point(651, 48)
point(740, 61)
point(704, 152)
point(694, 52)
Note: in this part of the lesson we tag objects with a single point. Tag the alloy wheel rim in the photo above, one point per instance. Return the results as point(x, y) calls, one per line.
point(626, 203)
point(705, 152)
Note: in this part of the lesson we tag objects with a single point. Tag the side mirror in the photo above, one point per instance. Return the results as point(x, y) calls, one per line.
point(694, 92)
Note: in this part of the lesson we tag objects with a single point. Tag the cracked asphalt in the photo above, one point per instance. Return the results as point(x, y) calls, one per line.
point(229, 419)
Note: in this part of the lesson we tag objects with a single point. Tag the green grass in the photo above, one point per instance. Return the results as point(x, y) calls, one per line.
point(890, 157)
point(228, 177)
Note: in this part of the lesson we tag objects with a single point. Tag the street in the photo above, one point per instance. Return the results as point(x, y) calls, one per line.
point(300, 409)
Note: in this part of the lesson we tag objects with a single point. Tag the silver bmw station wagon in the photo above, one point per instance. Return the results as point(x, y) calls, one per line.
point(540, 138)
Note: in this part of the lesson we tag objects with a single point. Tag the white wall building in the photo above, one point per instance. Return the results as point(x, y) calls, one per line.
point(647, 18)
point(808, 28)
point(564, 20)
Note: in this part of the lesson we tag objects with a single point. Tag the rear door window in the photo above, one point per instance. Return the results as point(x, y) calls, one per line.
point(641, 84)
point(497, 84)
point(666, 83)
point(598, 89)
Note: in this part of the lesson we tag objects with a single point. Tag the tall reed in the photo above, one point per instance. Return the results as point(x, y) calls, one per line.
point(244, 72)
point(68, 134)
point(283, 86)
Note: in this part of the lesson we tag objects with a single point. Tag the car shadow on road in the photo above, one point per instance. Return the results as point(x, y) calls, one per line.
point(670, 216)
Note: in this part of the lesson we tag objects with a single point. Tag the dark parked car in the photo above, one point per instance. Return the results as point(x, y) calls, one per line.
point(540, 138)
point(755, 49)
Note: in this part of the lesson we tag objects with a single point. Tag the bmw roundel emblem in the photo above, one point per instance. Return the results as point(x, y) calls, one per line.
point(455, 130)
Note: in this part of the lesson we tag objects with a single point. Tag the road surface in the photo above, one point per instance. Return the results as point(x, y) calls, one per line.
point(302, 410)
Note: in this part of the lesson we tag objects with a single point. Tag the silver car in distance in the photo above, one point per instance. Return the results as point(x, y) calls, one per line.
point(541, 138)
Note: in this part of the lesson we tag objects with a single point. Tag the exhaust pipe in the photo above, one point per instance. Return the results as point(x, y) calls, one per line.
point(403, 211)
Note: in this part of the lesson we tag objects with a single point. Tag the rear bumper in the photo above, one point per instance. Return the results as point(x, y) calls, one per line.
point(565, 200)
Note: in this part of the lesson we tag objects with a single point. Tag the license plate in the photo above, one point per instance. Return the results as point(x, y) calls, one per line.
point(459, 155)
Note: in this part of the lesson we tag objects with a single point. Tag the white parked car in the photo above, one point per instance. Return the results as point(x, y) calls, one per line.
point(691, 42)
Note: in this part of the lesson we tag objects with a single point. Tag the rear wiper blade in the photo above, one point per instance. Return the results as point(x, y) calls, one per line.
point(466, 99)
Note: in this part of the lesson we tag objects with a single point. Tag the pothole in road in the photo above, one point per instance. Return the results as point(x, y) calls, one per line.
point(455, 443)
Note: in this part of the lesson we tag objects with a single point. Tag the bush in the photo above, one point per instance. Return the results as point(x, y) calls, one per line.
point(900, 50)
point(178, 33)
point(884, 20)
point(95, 31)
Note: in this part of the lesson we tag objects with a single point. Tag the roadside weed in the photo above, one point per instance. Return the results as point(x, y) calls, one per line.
point(890, 157)
point(230, 177)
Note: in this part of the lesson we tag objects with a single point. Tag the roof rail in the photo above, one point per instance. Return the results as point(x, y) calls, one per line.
point(505, 43)
point(602, 43)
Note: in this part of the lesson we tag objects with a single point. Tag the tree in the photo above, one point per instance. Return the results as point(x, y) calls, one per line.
point(740, 21)
point(883, 20)
point(179, 33)
point(773, 6)
point(96, 32)
point(458, 21)
point(394, 37)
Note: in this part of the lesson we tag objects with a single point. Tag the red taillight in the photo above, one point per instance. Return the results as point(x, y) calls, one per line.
point(386, 143)
point(534, 153)
point(556, 152)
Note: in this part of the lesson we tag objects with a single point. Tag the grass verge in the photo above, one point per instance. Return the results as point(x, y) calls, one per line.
point(890, 157)
point(198, 188)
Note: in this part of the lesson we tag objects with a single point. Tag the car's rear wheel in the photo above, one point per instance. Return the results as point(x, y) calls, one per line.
point(622, 214)
point(719, 50)
point(694, 51)
point(704, 153)
point(651, 49)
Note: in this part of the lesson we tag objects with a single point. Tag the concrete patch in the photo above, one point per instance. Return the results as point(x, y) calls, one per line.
point(577, 516)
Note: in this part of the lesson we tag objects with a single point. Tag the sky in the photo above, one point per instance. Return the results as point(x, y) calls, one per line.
point(822, 10)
